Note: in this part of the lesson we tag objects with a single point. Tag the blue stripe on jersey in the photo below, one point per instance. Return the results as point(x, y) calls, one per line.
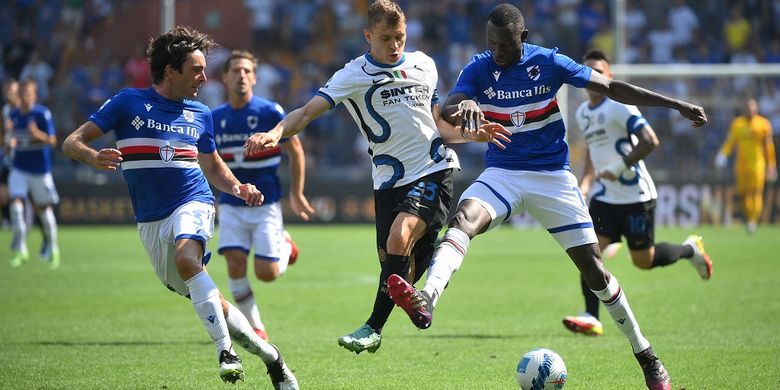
point(232, 126)
point(327, 97)
point(581, 225)
point(499, 197)
point(138, 114)
point(535, 79)
point(635, 123)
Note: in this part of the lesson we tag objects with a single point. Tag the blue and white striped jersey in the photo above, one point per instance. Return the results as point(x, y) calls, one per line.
point(31, 155)
point(160, 140)
point(392, 106)
point(522, 98)
point(609, 130)
point(232, 127)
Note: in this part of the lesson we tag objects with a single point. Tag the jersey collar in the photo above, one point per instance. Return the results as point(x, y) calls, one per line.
point(374, 62)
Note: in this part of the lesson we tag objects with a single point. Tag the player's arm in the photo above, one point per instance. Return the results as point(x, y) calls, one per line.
point(218, 174)
point(40, 135)
point(494, 133)
point(76, 146)
point(298, 202)
point(588, 174)
point(721, 159)
point(647, 142)
point(769, 152)
point(627, 93)
point(292, 124)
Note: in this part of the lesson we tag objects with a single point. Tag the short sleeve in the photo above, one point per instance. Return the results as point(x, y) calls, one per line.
point(338, 88)
point(46, 123)
point(206, 142)
point(572, 73)
point(109, 115)
point(467, 80)
point(634, 119)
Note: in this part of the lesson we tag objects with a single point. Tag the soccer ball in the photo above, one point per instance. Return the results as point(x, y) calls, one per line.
point(541, 369)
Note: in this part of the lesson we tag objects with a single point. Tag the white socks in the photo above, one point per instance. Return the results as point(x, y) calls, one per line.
point(446, 260)
point(245, 299)
point(617, 306)
point(19, 226)
point(49, 225)
point(246, 337)
point(205, 298)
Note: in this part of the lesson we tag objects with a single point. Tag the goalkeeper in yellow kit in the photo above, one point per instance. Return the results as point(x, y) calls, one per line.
point(751, 136)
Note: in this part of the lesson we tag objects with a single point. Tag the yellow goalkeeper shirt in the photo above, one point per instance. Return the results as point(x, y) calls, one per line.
point(752, 138)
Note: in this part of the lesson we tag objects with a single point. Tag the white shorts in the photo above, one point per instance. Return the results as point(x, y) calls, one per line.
point(193, 220)
point(552, 198)
point(245, 228)
point(40, 186)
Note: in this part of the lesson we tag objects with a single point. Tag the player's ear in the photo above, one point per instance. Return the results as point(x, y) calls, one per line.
point(367, 35)
point(523, 35)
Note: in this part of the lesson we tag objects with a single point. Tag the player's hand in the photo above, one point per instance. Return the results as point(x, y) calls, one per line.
point(720, 161)
point(613, 170)
point(771, 174)
point(693, 113)
point(258, 142)
point(301, 207)
point(494, 133)
point(107, 159)
point(471, 116)
point(249, 193)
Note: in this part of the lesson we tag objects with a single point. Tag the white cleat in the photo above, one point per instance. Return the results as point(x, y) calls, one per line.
point(282, 377)
point(700, 260)
point(230, 368)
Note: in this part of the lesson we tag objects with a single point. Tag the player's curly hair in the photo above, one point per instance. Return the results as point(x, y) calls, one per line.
point(173, 47)
point(239, 54)
point(385, 11)
point(596, 55)
point(505, 14)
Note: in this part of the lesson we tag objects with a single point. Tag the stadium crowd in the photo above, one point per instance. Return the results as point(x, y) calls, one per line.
point(301, 42)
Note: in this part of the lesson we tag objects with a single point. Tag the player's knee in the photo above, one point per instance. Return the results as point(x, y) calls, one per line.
point(187, 265)
point(267, 272)
point(462, 222)
point(642, 262)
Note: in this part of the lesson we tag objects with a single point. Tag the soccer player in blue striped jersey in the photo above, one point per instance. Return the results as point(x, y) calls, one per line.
point(32, 137)
point(623, 205)
point(392, 96)
point(243, 228)
point(514, 83)
point(165, 147)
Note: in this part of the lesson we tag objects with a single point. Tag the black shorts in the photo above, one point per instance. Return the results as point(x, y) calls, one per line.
point(428, 197)
point(635, 221)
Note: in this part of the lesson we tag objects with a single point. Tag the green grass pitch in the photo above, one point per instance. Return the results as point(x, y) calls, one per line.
point(103, 320)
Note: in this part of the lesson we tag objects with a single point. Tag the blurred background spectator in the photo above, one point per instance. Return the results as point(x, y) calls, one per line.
point(83, 51)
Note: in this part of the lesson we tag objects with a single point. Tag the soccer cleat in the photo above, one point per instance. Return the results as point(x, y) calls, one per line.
point(230, 368)
point(416, 304)
point(656, 376)
point(281, 376)
point(612, 249)
point(751, 228)
point(54, 259)
point(262, 333)
point(700, 260)
point(19, 258)
point(585, 324)
point(364, 338)
point(293, 248)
